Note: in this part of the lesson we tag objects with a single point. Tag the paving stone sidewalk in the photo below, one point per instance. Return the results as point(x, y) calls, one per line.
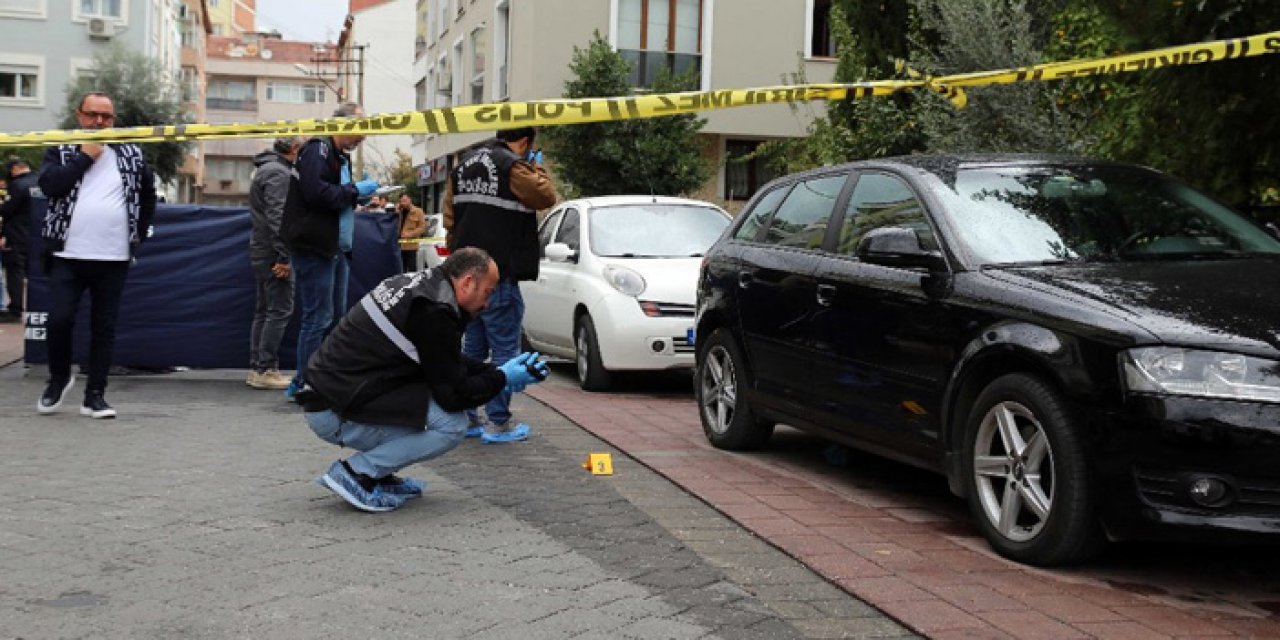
point(194, 516)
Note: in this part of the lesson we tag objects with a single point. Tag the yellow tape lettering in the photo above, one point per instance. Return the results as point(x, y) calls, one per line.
point(550, 111)
point(1202, 55)
point(668, 105)
point(396, 122)
point(1272, 44)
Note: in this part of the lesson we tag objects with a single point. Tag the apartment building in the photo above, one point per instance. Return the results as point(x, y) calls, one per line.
point(233, 18)
point(194, 29)
point(257, 78)
point(44, 44)
point(473, 51)
point(379, 41)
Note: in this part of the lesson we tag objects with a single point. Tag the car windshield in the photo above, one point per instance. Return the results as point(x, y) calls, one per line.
point(655, 230)
point(1042, 215)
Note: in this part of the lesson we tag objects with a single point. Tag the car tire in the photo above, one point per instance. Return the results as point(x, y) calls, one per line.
point(592, 376)
point(1034, 500)
point(720, 380)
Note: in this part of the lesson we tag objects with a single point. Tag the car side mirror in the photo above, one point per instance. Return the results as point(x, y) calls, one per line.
point(560, 252)
point(898, 247)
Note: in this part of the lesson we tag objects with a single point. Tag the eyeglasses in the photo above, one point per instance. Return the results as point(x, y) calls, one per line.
point(99, 115)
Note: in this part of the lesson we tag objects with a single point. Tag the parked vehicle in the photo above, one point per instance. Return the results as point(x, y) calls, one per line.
point(615, 289)
point(1085, 349)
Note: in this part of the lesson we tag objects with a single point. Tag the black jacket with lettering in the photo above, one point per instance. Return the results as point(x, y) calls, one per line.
point(396, 350)
point(488, 215)
point(316, 198)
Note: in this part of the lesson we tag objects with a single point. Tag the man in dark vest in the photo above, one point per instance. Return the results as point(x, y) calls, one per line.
point(16, 229)
point(391, 381)
point(492, 202)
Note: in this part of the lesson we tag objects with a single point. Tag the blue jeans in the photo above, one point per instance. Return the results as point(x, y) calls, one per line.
point(494, 335)
point(385, 449)
point(313, 286)
point(68, 280)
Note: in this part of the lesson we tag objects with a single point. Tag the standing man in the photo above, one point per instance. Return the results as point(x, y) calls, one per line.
point(16, 213)
point(269, 257)
point(413, 222)
point(318, 198)
point(392, 383)
point(101, 201)
point(492, 203)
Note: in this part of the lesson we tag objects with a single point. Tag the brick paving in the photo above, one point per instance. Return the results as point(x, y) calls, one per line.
point(895, 538)
point(193, 515)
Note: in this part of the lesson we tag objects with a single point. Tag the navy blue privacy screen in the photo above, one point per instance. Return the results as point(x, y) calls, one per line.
point(188, 300)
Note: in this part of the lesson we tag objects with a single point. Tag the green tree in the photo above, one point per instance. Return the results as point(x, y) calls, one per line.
point(870, 38)
point(1215, 125)
point(961, 36)
point(142, 93)
point(656, 155)
point(402, 173)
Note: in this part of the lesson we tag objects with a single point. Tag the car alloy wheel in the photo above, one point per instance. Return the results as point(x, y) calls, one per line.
point(719, 396)
point(1026, 466)
point(1013, 465)
point(721, 381)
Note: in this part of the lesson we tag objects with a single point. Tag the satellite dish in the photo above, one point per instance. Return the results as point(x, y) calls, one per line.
point(266, 54)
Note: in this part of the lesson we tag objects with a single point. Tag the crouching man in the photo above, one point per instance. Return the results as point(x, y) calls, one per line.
point(390, 381)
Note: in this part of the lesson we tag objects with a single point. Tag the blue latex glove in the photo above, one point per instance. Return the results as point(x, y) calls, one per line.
point(523, 370)
point(366, 187)
point(534, 157)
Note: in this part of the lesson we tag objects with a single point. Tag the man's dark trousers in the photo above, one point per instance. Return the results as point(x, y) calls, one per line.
point(15, 278)
point(68, 280)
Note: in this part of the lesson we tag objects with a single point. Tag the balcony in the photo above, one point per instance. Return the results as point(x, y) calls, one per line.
point(231, 104)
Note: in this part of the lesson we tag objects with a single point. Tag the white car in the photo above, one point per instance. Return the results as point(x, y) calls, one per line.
point(617, 283)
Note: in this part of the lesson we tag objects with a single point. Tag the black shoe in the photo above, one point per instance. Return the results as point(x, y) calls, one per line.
point(95, 406)
point(54, 393)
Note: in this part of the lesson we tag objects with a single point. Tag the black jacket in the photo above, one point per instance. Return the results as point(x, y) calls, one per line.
point(396, 350)
point(267, 196)
point(16, 212)
point(316, 198)
point(489, 216)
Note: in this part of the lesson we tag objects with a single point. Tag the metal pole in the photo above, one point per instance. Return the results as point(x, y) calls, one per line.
point(359, 99)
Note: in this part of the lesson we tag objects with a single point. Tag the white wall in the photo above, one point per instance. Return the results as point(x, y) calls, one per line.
point(387, 31)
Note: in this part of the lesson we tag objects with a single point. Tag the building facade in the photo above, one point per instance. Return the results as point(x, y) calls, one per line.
point(258, 78)
point(45, 44)
point(233, 18)
point(194, 29)
point(380, 41)
point(474, 51)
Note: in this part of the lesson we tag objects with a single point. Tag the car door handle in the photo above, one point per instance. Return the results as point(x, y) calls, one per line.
point(826, 293)
point(744, 279)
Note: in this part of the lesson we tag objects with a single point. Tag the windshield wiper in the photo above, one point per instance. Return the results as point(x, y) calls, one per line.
point(1030, 263)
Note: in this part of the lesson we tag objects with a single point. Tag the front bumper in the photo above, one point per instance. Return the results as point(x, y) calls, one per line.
point(1156, 448)
point(631, 341)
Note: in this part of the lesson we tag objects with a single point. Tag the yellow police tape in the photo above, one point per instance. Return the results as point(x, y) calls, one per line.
point(542, 113)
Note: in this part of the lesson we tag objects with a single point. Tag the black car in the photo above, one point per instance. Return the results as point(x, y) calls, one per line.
point(1087, 350)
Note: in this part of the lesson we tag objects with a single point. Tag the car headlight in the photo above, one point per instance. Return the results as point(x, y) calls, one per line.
point(1205, 374)
point(624, 280)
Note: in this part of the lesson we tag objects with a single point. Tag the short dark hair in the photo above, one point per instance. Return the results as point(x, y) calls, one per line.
point(511, 135)
point(287, 143)
point(347, 110)
point(466, 261)
point(13, 161)
point(92, 94)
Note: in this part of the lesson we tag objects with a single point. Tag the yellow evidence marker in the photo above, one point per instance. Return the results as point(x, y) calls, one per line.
point(599, 464)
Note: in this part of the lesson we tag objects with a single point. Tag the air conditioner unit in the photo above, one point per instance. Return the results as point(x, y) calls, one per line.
point(100, 28)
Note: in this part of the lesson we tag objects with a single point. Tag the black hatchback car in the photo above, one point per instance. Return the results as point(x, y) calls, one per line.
point(1087, 350)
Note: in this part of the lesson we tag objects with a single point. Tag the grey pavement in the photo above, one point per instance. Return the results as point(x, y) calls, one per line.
point(193, 515)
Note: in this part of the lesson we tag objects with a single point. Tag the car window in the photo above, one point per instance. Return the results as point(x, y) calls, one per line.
point(655, 230)
point(758, 216)
point(801, 220)
point(548, 228)
point(881, 200)
point(568, 233)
